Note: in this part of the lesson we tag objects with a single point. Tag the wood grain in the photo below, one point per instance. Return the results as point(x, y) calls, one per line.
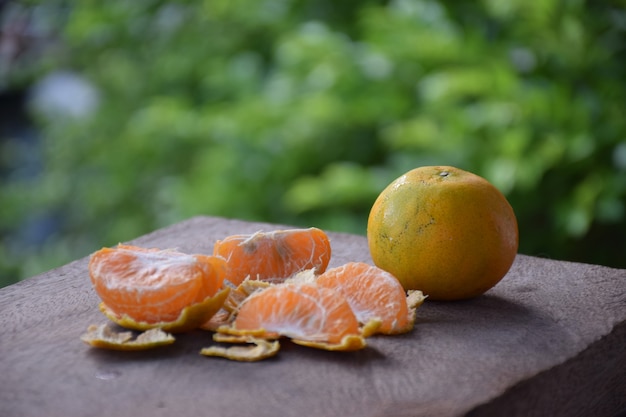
point(548, 340)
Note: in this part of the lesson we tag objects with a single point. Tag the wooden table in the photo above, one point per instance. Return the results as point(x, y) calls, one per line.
point(548, 340)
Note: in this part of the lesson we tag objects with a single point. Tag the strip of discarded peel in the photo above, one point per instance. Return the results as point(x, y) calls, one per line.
point(349, 343)
point(103, 337)
point(257, 333)
point(371, 327)
point(415, 298)
point(257, 349)
point(232, 338)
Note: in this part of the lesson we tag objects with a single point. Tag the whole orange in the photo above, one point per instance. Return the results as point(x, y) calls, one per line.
point(444, 231)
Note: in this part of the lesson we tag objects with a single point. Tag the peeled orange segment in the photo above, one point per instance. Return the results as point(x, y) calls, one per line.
point(105, 338)
point(274, 256)
point(304, 312)
point(153, 286)
point(190, 318)
point(348, 343)
point(259, 349)
point(372, 293)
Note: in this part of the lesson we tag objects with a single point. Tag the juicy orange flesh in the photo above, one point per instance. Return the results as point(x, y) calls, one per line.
point(299, 311)
point(190, 318)
point(274, 256)
point(372, 293)
point(152, 285)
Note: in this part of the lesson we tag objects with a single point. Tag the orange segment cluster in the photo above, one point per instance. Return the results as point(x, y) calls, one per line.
point(265, 286)
point(356, 299)
point(299, 311)
point(373, 294)
point(153, 285)
point(274, 256)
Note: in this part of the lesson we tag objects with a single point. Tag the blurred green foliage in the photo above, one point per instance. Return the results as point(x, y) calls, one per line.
point(300, 112)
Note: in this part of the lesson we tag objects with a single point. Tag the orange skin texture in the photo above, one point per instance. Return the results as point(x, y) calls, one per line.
point(274, 256)
point(153, 285)
point(444, 231)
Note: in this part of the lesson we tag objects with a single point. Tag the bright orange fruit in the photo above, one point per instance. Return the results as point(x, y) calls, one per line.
point(303, 312)
point(274, 256)
point(153, 286)
point(372, 293)
point(444, 231)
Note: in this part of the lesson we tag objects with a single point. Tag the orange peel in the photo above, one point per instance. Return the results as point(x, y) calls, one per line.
point(261, 333)
point(257, 349)
point(243, 291)
point(103, 337)
point(231, 305)
point(349, 343)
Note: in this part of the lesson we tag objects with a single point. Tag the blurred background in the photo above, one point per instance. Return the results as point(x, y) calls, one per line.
point(120, 117)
